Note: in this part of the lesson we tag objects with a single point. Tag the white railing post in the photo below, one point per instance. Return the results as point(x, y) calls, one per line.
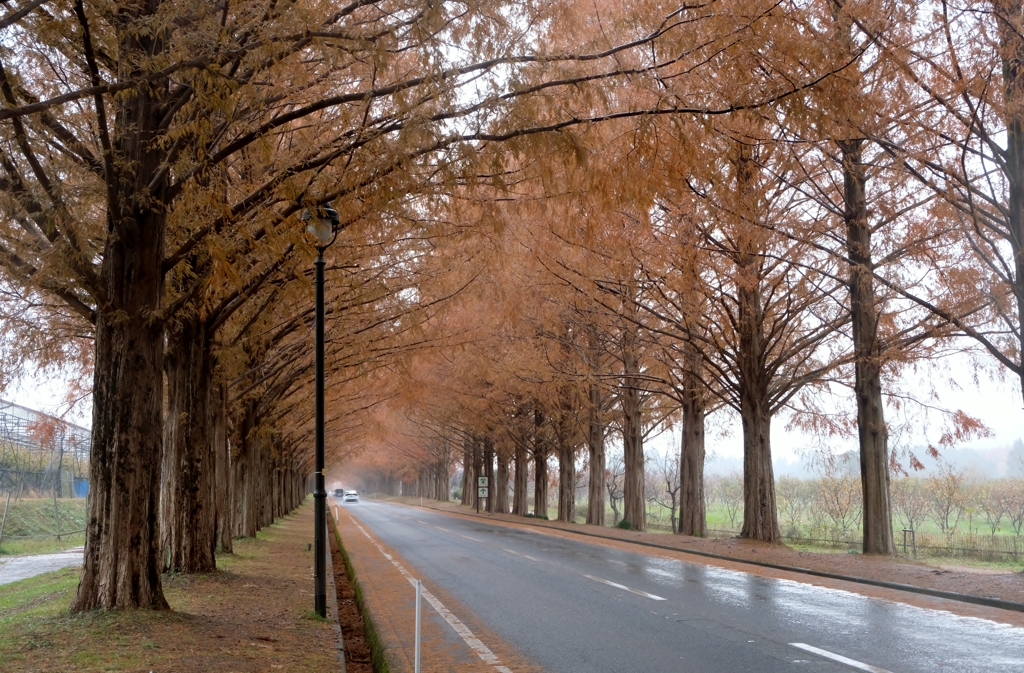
point(419, 589)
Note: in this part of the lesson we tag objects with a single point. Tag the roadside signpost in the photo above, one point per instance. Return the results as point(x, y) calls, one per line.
point(481, 491)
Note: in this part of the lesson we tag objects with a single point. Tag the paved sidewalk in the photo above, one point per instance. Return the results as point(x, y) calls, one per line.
point(22, 567)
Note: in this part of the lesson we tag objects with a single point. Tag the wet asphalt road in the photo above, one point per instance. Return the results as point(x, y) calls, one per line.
point(576, 606)
point(17, 568)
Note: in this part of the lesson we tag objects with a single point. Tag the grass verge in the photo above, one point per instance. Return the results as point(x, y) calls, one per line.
point(31, 526)
point(250, 616)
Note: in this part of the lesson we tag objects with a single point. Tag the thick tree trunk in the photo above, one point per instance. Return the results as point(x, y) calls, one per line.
point(540, 485)
point(871, 427)
point(1010, 20)
point(634, 506)
point(540, 467)
point(468, 478)
point(595, 447)
point(692, 513)
point(500, 493)
point(566, 481)
point(223, 484)
point(595, 433)
point(244, 468)
point(189, 523)
point(760, 518)
point(122, 562)
point(478, 471)
point(521, 481)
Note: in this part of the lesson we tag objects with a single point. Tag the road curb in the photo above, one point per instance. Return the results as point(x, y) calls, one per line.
point(896, 586)
point(332, 605)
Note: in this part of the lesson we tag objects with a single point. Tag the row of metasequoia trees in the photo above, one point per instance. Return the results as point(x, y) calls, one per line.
point(581, 219)
point(760, 262)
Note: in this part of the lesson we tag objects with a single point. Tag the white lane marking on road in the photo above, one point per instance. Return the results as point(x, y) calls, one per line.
point(467, 636)
point(444, 529)
point(624, 588)
point(468, 537)
point(519, 554)
point(853, 663)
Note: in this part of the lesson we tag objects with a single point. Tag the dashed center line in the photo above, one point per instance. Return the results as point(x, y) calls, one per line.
point(510, 551)
point(467, 636)
point(625, 588)
point(853, 663)
point(444, 529)
point(468, 537)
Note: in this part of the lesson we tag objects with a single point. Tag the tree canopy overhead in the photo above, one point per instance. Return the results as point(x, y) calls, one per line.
point(560, 222)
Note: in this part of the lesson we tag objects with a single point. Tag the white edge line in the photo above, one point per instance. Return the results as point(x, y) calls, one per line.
point(853, 663)
point(520, 554)
point(625, 588)
point(467, 636)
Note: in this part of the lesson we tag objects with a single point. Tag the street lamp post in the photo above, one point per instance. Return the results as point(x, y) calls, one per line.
point(322, 224)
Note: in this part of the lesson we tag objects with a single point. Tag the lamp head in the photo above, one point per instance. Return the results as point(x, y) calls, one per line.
point(322, 223)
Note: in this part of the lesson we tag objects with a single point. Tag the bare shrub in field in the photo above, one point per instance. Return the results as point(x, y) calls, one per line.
point(792, 497)
point(1015, 504)
point(615, 475)
point(730, 494)
point(949, 497)
point(910, 502)
point(839, 496)
point(993, 502)
point(663, 485)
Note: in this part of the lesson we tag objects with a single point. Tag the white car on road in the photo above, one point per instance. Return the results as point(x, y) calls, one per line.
point(351, 496)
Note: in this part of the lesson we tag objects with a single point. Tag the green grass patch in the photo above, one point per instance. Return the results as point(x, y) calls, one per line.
point(31, 526)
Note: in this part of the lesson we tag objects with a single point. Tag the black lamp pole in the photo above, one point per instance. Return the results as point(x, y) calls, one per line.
point(324, 226)
point(319, 493)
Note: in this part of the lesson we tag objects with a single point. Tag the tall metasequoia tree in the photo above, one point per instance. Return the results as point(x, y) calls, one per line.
point(597, 427)
point(521, 460)
point(761, 289)
point(760, 516)
point(540, 449)
point(970, 70)
point(692, 500)
point(503, 452)
point(566, 436)
point(631, 394)
point(846, 101)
